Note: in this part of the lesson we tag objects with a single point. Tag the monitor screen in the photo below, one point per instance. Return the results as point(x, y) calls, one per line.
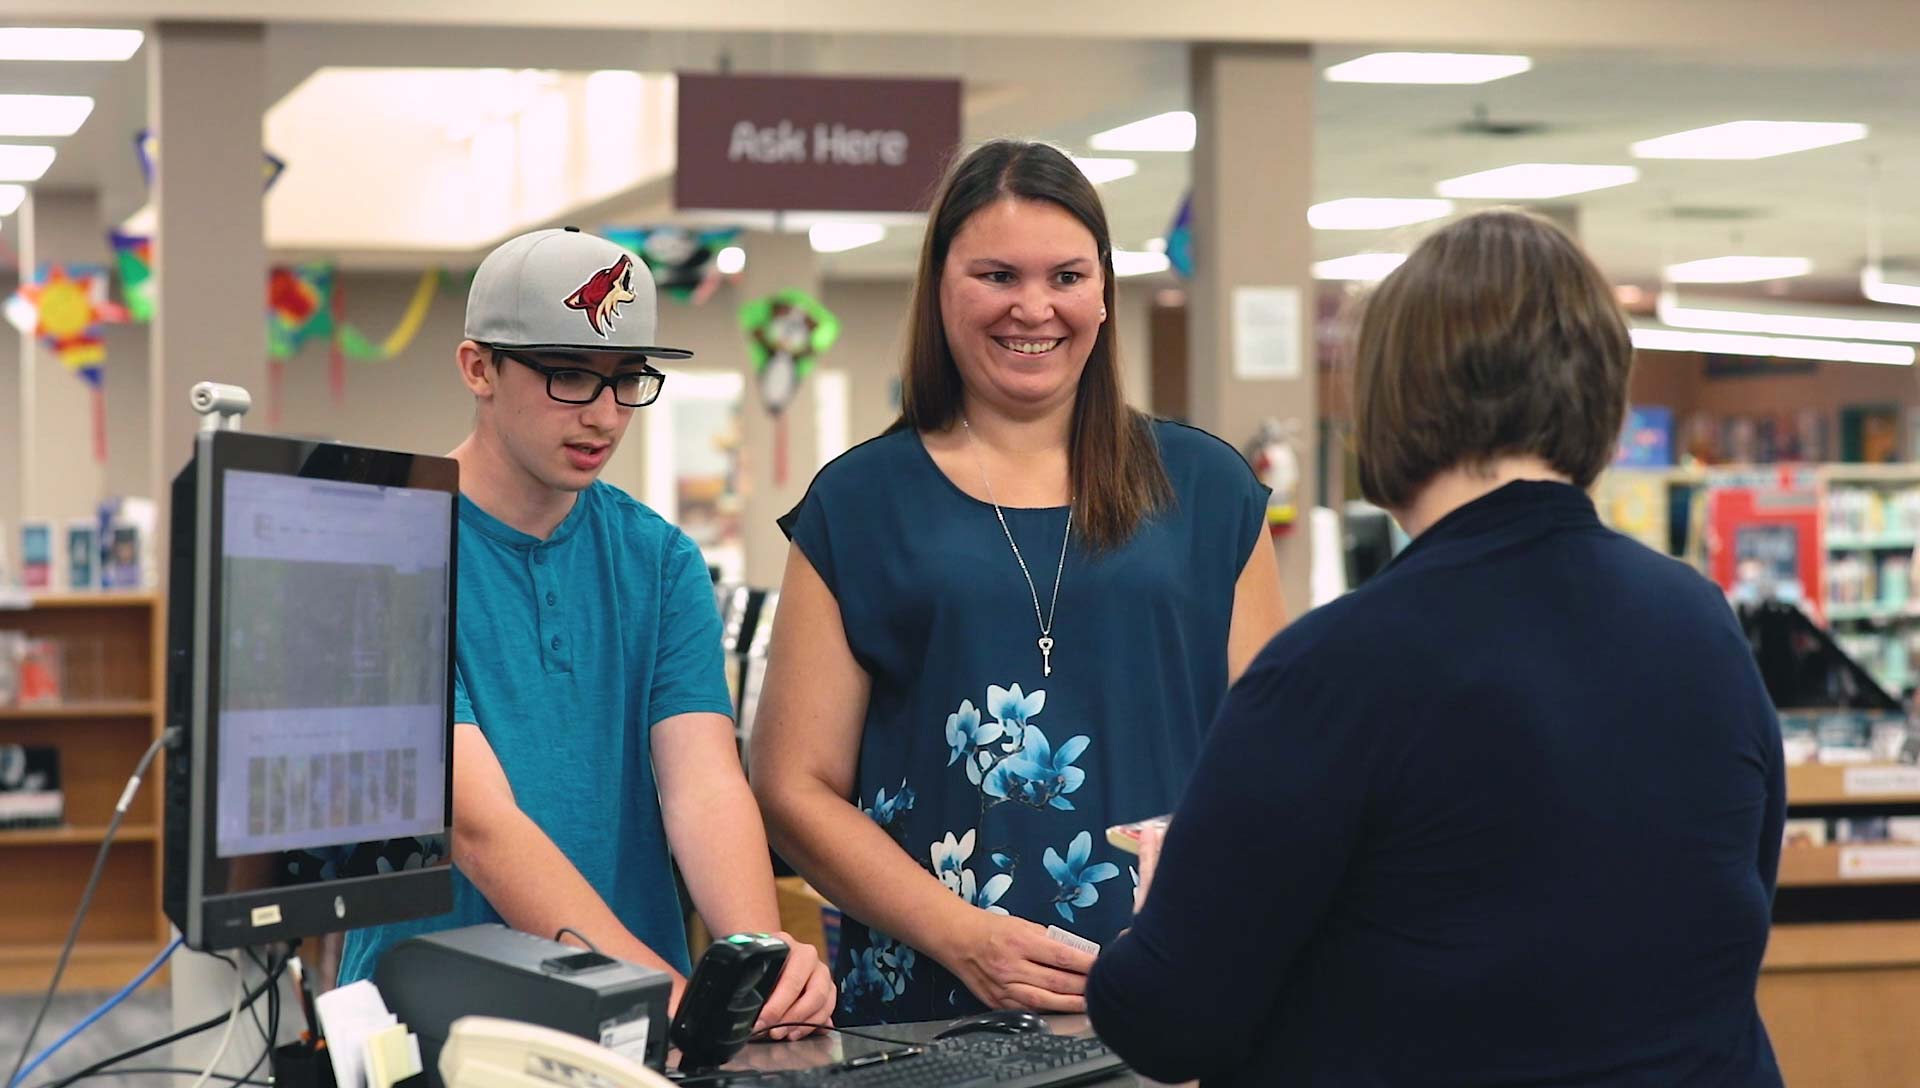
point(310, 614)
point(334, 663)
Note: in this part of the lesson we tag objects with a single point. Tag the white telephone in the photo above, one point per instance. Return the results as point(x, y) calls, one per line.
point(488, 1052)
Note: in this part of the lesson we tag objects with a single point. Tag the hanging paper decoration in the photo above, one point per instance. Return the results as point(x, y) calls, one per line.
point(146, 148)
point(683, 262)
point(299, 307)
point(133, 258)
point(1180, 239)
point(69, 306)
point(362, 350)
point(308, 302)
point(133, 253)
point(786, 332)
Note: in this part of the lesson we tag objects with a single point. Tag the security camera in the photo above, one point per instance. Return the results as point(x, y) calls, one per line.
point(222, 405)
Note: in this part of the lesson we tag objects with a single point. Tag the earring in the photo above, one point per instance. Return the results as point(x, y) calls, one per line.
point(1103, 313)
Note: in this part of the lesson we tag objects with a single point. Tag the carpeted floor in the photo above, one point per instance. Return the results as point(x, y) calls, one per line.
point(143, 1017)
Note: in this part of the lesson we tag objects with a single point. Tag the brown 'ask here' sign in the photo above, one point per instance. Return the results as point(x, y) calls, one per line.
point(806, 143)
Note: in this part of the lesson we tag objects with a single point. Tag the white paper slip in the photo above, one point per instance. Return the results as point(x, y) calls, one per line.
point(349, 1016)
point(1073, 940)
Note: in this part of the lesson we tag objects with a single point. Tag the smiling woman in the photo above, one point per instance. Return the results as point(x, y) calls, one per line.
point(1005, 622)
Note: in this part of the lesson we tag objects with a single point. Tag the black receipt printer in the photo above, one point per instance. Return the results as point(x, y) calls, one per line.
point(429, 982)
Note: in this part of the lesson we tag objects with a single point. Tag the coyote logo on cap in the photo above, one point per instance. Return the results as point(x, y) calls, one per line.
point(600, 297)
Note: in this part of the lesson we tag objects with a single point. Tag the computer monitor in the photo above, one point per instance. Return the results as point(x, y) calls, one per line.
point(310, 680)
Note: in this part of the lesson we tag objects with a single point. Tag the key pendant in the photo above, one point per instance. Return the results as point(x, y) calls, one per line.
point(1046, 655)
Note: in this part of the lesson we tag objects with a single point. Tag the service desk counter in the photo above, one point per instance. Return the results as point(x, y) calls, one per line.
point(828, 1047)
point(1840, 1001)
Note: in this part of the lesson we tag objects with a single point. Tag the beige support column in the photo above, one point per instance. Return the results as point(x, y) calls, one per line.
point(10, 438)
point(1251, 301)
point(59, 478)
point(775, 262)
point(206, 94)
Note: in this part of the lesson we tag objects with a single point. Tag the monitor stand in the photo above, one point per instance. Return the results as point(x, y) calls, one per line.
point(202, 988)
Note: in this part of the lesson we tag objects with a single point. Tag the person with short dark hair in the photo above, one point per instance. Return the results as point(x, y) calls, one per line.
point(1004, 623)
point(1509, 813)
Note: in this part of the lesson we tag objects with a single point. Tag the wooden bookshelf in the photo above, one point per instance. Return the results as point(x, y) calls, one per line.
point(1849, 863)
point(117, 708)
point(1853, 784)
point(94, 965)
point(64, 836)
point(112, 671)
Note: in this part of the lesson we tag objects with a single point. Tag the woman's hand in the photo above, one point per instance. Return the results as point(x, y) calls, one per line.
point(1011, 963)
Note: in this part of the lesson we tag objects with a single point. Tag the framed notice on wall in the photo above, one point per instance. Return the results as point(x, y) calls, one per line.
point(1266, 333)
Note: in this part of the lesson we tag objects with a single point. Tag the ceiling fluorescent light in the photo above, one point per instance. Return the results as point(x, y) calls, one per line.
point(1874, 285)
point(1672, 313)
point(1137, 262)
point(1100, 171)
point(1429, 68)
point(24, 162)
point(837, 237)
point(1375, 213)
point(1718, 343)
point(1536, 181)
point(1361, 267)
point(43, 114)
point(1161, 132)
point(67, 43)
point(11, 197)
point(1738, 269)
point(1749, 140)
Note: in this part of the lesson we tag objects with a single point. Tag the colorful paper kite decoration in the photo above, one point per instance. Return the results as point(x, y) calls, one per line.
point(787, 332)
point(684, 262)
point(1180, 240)
point(133, 256)
point(69, 307)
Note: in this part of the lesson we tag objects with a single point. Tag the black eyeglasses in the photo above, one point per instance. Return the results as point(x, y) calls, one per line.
point(577, 385)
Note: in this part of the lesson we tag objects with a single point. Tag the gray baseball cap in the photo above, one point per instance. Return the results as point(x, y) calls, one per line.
point(555, 289)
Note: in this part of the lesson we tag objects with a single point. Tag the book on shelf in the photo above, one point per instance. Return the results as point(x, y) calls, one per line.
point(30, 794)
point(40, 680)
point(36, 554)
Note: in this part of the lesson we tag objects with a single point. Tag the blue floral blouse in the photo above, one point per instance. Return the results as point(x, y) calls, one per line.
point(997, 778)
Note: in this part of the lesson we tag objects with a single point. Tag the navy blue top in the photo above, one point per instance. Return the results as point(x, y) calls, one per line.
point(1508, 814)
point(570, 650)
point(993, 776)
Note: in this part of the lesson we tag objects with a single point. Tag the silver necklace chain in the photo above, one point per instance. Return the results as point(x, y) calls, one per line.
point(1045, 641)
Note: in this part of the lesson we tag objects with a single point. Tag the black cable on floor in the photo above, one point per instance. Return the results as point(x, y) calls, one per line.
point(204, 1025)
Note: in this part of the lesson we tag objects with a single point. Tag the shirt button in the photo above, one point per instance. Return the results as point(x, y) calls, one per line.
point(539, 559)
point(555, 643)
point(552, 600)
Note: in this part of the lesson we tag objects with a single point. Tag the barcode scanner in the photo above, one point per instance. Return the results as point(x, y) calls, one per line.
point(729, 987)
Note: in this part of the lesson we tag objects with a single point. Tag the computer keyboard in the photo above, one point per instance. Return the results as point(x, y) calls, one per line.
point(1006, 1061)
